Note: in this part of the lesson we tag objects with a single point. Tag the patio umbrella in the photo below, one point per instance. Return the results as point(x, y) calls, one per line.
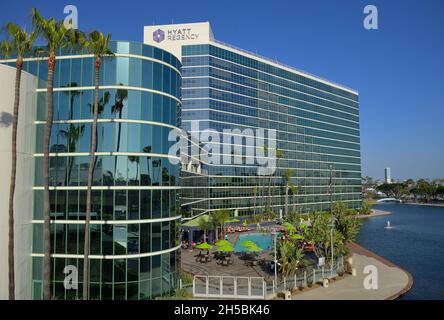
point(226, 248)
point(303, 226)
point(248, 243)
point(221, 243)
point(297, 236)
point(204, 246)
point(289, 227)
point(234, 220)
point(254, 248)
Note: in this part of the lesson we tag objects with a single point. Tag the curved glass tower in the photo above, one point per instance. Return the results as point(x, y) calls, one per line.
point(135, 217)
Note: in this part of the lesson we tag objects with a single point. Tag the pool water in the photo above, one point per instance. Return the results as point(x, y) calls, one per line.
point(263, 240)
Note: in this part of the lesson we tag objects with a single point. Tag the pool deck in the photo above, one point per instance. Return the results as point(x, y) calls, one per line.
point(237, 269)
point(393, 281)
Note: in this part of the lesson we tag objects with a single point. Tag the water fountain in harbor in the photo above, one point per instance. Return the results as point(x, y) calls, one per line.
point(388, 226)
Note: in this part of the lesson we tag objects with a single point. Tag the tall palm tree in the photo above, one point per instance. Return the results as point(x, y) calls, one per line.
point(102, 103)
point(56, 37)
point(287, 178)
point(220, 217)
point(97, 44)
point(294, 190)
point(20, 42)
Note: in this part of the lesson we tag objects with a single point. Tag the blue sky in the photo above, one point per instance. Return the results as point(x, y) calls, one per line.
point(398, 69)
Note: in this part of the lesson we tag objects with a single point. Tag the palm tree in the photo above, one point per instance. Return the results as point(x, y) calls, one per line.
point(287, 178)
point(102, 103)
point(21, 43)
point(220, 217)
point(294, 190)
point(204, 225)
point(56, 37)
point(97, 44)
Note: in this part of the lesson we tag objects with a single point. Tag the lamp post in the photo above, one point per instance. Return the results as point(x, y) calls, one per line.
point(331, 218)
point(275, 257)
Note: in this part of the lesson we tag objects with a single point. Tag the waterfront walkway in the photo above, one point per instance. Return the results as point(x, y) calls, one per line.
point(392, 281)
point(375, 213)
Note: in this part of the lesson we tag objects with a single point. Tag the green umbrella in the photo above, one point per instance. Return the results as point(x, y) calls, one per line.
point(226, 248)
point(297, 236)
point(234, 220)
point(221, 243)
point(248, 243)
point(289, 227)
point(254, 248)
point(204, 246)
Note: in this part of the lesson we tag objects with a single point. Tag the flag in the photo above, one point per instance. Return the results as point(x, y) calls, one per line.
point(330, 183)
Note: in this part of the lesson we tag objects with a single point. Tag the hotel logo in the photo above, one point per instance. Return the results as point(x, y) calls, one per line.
point(158, 36)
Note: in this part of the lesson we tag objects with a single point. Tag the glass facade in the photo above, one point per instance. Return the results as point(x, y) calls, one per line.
point(135, 216)
point(317, 125)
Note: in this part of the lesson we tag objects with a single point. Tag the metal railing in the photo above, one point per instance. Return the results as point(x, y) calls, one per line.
point(229, 287)
point(305, 278)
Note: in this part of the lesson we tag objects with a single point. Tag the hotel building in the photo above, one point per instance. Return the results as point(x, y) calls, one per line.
point(316, 123)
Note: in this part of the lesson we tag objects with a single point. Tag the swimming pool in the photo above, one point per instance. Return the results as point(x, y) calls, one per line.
point(263, 240)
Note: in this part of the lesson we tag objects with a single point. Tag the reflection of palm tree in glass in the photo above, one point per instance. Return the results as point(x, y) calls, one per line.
point(72, 95)
point(147, 149)
point(136, 160)
point(117, 108)
point(157, 164)
point(73, 134)
point(101, 106)
point(165, 175)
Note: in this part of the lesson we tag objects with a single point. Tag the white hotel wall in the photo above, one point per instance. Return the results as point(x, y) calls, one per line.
point(24, 182)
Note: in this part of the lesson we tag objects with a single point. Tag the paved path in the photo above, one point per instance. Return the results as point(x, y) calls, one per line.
point(376, 213)
point(393, 281)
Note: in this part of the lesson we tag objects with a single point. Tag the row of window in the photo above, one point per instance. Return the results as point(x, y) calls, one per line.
point(113, 104)
point(272, 85)
point(108, 239)
point(109, 204)
point(261, 87)
point(263, 67)
point(120, 279)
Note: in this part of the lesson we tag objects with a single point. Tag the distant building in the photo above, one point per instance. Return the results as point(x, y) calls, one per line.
point(388, 175)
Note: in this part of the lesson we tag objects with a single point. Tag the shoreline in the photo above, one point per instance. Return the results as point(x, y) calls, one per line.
point(376, 213)
point(437, 205)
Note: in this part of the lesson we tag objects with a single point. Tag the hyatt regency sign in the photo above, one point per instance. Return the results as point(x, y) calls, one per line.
point(173, 37)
